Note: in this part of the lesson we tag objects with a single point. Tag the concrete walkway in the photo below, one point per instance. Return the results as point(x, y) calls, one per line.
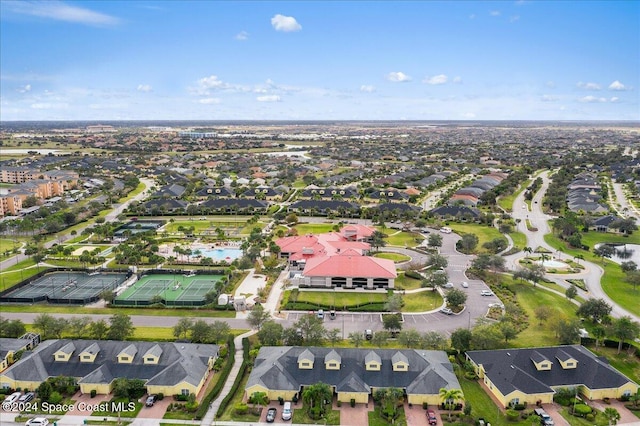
point(213, 409)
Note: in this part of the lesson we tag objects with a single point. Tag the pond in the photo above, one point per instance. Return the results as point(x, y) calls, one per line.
point(625, 252)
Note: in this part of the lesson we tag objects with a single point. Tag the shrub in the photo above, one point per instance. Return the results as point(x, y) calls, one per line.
point(512, 415)
point(353, 402)
point(55, 397)
point(581, 410)
point(93, 393)
point(590, 417)
point(241, 408)
point(425, 405)
point(339, 403)
point(160, 396)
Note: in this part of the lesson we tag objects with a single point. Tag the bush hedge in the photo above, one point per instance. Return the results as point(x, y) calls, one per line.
point(236, 384)
point(224, 374)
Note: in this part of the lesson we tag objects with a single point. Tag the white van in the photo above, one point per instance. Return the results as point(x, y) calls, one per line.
point(286, 411)
point(445, 230)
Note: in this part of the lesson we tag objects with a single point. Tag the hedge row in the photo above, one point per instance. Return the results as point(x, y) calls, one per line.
point(364, 307)
point(236, 384)
point(224, 373)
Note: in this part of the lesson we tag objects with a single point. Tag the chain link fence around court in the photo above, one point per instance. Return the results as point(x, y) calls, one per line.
point(174, 288)
point(69, 287)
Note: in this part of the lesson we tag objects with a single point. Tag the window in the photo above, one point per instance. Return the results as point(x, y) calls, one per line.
point(124, 358)
point(60, 356)
point(86, 357)
point(570, 364)
point(150, 359)
point(185, 392)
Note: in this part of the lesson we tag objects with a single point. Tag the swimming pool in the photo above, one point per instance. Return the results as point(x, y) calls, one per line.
point(222, 254)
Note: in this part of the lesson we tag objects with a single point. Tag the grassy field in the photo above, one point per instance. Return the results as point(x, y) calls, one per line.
point(335, 298)
point(239, 223)
point(376, 420)
point(483, 232)
point(300, 416)
point(506, 202)
point(313, 228)
point(483, 406)
point(406, 283)
point(612, 281)
point(519, 239)
point(396, 257)
point(530, 298)
point(16, 273)
point(422, 301)
point(168, 312)
point(401, 239)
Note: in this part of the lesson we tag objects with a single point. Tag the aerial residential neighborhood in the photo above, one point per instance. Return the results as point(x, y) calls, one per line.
point(319, 213)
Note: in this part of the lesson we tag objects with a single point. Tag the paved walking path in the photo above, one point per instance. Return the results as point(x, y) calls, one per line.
point(213, 409)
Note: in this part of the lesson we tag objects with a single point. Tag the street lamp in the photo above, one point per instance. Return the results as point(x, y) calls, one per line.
point(469, 324)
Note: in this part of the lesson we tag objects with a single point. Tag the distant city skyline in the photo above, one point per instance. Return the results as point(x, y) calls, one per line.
point(205, 60)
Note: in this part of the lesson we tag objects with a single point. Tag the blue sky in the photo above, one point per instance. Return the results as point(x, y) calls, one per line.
point(139, 60)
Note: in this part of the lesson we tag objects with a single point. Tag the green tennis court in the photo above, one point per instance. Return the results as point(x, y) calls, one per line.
point(173, 289)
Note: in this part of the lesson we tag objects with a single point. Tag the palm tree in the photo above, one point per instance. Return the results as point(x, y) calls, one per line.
point(388, 399)
point(612, 415)
point(315, 396)
point(449, 398)
point(528, 250)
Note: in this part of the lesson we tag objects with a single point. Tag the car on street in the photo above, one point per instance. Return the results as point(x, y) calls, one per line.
point(446, 311)
point(486, 293)
point(271, 415)
point(37, 421)
point(465, 284)
point(332, 314)
point(320, 314)
point(431, 417)
point(151, 399)
point(448, 285)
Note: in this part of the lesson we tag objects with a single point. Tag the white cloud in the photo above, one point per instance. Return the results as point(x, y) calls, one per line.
point(144, 88)
point(589, 86)
point(209, 101)
point(398, 77)
point(211, 82)
point(367, 88)
point(242, 36)
point(47, 105)
point(616, 85)
point(24, 89)
point(514, 18)
point(549, 98)
point(457, 80)
point(268, 98)
point(614, 99)
point(285, 23)
point(592, 99)
point(60, 11)
point(495, 13)
point(551, 84)
point(436, 79)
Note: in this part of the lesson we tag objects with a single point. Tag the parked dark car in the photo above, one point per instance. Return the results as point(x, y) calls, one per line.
point(271, 415)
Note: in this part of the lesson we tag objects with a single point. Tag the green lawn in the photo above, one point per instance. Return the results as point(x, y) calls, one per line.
point(396, 257)
point(612, 281)
point(483, 406)
point(483, 232)
point(422, 301)
point(300, 417)
point(623, 362)
point(376, 420)
point(519, 239)
point(313, 228)
point(530, 298)
point(213, 222)
point(401, 239)
point(168, 312)
point(15, 274)
point(335, 298)
point(406, 283)
point(506, 202)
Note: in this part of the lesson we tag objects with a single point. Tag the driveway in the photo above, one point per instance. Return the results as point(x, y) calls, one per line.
point(156, 411)
point(354, 416)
